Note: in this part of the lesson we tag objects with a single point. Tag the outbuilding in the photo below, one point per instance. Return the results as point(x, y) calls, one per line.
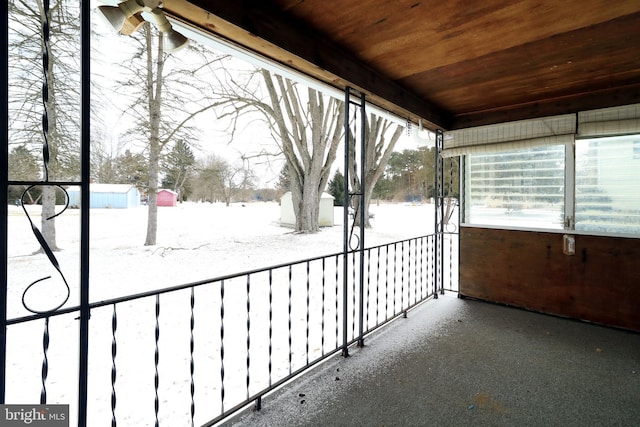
point(325, 216)
point(167, 197)
point(115, 196)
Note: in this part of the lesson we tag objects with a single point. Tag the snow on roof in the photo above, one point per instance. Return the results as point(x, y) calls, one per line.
point(105, 188)
point(324, 195)
point(166, 189)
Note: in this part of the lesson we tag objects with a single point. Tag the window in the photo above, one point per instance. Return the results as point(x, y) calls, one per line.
point(607, 185)
point(522, 188)
point(571, 171)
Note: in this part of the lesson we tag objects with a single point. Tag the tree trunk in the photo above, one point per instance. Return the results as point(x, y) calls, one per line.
point(48, 226)
point(309, 143)
point(155, 116)
point(377, 155)
point(152, 194)
point(306, 206)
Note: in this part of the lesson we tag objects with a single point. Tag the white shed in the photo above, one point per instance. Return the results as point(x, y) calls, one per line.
point(325, 216)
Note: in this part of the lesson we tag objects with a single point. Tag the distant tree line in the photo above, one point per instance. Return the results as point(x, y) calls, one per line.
point(409, 176)
point(160, 95)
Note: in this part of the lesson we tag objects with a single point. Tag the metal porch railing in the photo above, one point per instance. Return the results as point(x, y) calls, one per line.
point(196, 353)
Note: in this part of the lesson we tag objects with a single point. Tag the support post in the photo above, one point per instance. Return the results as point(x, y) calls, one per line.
point(440, 142)
point(4, 192)
point(363, 142)
point(345, 226)
point(85, 163)
point(358, 212)
point(439, 216)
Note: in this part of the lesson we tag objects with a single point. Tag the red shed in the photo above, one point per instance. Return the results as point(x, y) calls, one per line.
point(167, 197)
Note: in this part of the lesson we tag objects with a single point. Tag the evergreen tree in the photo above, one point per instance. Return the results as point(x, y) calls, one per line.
point(284, 181)
point(178, 167)
point(131, 168)
point(336, 188)
point(23, 166)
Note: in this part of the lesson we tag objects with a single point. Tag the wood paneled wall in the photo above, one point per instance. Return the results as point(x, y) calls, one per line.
point(600, 283)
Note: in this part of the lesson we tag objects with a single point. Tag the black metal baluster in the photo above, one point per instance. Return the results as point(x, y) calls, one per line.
point(353, 275)
point(114, 351)
point(409, 284)
point(415, 271)
point(416, 279)
point(337, 292)
point(378, 285)
point(450, 261)
point(222, 346)
point(270, 323)
point(157, 359)
point(323, 308)
point(425, 268)
point(427, 258)
point(308, 319)
point(421, 268)
point(425, 261)
point(386, 283)
point(248, 332)
point(191, 350)
point(368, 286)
point(427, 265)
point(402, 278)
point(433, 265)
point(290, 340)
point(45, 361)
point(395, 275)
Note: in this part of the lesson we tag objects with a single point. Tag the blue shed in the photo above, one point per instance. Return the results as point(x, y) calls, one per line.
point(116, 196)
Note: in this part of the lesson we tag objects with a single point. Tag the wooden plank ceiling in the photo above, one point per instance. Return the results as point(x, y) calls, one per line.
point(452, 63)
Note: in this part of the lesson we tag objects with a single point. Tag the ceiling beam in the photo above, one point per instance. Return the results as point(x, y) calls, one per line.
point(575, 103)
point(257, 26)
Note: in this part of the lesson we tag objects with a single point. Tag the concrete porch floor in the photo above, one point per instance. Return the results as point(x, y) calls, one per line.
point(456, 362)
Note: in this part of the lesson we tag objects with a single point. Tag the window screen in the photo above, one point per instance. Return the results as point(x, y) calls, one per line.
point(522, 188)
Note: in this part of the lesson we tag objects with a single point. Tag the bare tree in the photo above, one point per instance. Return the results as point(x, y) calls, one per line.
point(44, 93)
point(217, 179)
point(309, 145)
point(306, 124)
point(164, 97)
point(381, 136)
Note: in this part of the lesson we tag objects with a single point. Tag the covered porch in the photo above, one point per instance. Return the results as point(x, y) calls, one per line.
point(458, 362)
point(440, 359)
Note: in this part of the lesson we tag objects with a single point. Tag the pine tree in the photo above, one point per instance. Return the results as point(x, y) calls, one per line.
point(178, 167)
point(336, 188)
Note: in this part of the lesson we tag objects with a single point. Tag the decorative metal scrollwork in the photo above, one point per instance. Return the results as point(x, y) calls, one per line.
point(46, 158)
point(354, 238)
point(47, 250)
point(356, 195)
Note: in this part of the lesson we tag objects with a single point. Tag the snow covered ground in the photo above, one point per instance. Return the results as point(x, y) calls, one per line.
point(195, 242)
